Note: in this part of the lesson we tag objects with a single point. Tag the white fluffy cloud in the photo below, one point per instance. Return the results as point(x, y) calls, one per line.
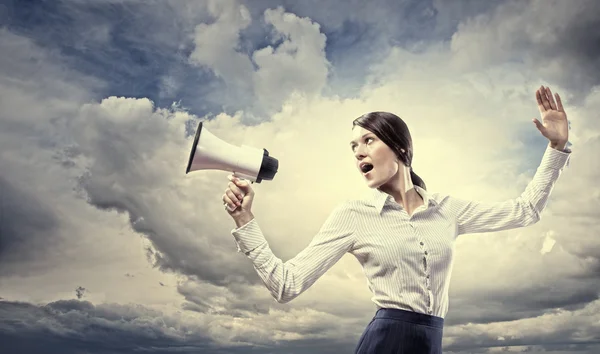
point(217, 43)
point(296, 63)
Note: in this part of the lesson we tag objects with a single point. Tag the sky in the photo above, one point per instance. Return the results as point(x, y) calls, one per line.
point(108, 246)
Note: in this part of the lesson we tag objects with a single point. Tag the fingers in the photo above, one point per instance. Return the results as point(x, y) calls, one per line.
point(538, 95)
point(233, 197)
point(231, 206)
point(550, 98)
point(546, 101)
point(542, 99)
point(235, 190)
point(242, 186)
point(559, 103)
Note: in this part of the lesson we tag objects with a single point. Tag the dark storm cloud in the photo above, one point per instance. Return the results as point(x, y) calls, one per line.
point(78, 326)
point(558, 40)
point(72, 327)
point(565, 341)
point(514, 304)
point(27, 226)
point(133, 46)
point(575, 45)
point(37, 95)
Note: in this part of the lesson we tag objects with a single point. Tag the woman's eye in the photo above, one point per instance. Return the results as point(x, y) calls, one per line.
point(366, 140)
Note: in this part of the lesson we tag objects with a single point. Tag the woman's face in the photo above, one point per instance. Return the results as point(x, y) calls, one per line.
point(369, 149)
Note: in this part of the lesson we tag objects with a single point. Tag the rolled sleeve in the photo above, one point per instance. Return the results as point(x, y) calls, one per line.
point(556, 159)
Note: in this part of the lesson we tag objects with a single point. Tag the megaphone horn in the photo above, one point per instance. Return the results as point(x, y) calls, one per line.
point(211, 153)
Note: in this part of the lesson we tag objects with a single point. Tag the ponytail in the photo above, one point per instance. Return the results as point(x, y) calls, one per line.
point(416, 180)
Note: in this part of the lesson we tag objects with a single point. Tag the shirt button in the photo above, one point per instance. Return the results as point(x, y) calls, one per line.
point(425, 252)
point(421, 243)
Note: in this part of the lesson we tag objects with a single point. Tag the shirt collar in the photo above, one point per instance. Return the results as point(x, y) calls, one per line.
point(378, 198)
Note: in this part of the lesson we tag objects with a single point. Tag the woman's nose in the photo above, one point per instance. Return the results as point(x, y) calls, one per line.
point(358, 154)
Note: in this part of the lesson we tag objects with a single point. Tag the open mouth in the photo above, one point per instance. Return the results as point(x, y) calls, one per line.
point(366, 168)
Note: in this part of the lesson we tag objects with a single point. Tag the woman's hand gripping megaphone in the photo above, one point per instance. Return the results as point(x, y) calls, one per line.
point(238, 196)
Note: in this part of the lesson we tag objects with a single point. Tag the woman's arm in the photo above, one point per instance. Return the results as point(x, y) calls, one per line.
point(525, 210)
point(287, 280)
point(478, 217)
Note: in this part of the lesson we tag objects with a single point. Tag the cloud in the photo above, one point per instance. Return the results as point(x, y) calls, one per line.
point(36, 97)
point(70, 326)
point(25, 223)
point(296, 63)
point(47, 247)
point(551, 37)
point(97, 172)
point(216, 43)
point(548, 332)
point(135, 158)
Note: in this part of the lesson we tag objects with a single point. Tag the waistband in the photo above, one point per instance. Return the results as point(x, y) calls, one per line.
point(410, 316)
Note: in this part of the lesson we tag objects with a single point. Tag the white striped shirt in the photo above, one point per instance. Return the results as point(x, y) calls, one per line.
point(407, 259)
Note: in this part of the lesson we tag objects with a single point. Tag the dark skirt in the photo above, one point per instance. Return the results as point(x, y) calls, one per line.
point(395, 331)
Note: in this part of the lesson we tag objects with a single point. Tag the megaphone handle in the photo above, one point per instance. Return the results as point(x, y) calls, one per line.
point(242, 176)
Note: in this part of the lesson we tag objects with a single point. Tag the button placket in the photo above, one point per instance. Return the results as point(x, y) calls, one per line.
point(429, 305)
point(427, 280)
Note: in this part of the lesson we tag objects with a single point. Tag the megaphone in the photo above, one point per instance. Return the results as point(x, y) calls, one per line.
point(211, 153)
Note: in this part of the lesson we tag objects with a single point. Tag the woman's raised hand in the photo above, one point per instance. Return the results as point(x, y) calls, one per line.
point(554, 125)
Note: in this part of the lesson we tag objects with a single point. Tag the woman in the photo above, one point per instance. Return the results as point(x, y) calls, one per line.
point(402, 235)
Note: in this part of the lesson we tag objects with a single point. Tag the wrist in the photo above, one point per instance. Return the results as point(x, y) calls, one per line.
point(243, 218)
point(558, 145)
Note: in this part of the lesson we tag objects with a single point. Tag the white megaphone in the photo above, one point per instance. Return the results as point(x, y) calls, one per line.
point(211, 153)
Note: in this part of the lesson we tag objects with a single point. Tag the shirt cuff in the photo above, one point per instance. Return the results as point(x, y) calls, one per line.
point(248, 236)
point(556, 159)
